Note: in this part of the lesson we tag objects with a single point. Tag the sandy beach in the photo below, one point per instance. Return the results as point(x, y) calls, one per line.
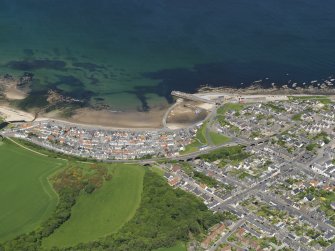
point(11, 91)
point(113, 120)
point(11, 114)
point(92, 118)
point(179, 117)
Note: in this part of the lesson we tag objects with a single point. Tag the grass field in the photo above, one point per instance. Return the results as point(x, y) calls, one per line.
point(218, 138)
point(103, 212)
point(26, 196)
point(199, 140)
point(230, 107)
point(193, 147)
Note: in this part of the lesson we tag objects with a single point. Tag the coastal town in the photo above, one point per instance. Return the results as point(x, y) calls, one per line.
point(268, 165)
point(103, 144)
point(278, 193)
point(147, 125)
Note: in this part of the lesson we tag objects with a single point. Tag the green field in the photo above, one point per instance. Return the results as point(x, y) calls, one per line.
point(230, 107)
point(199, 140)
point(120, 206)
point(26, 196)
point(104, 211)
point(218, 138)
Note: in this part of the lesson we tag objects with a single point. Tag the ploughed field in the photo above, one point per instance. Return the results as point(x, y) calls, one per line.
point(26, 196)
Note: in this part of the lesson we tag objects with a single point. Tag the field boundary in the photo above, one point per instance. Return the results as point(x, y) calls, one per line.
point(46, 196)
point(24, 147)
point(48, 187)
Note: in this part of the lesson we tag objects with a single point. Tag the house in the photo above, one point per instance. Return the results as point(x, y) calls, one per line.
point(328, 236)
point(174, 181)
point(175, 168)
point(295, 191)
point(309, 197)
point(332, 205)
point(313, 183)
point(167, 175)
point(329, 163)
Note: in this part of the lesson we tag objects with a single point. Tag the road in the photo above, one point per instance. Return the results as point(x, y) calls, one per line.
point(252, 218)
point(166, 114)
point(224, 238)
point(258, 189)
point(287, 207)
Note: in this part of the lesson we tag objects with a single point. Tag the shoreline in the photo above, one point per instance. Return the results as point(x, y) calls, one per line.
point(158, 117)
point(125, 120)
point(14, 114)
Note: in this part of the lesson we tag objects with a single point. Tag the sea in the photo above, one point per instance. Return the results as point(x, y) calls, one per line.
point(130, 54)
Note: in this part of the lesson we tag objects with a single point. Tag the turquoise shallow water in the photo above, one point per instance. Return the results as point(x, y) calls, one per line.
point(130, 54)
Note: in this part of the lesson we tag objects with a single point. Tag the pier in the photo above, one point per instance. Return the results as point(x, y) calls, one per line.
point(191, 97)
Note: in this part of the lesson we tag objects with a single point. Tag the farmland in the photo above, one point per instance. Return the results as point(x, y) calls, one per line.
point(93, 205)
point(104, 211)
point(24, 174)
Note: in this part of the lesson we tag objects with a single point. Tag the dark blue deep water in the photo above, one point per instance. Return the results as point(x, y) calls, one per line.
point(132, 53)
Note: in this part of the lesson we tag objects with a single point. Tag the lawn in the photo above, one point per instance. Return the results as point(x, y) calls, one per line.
point(230, 107)
point(193, 147)
point(26, 196)
point(297, 117)
point(311, 146)
point(199, 140)
point(275, 107)
point(103, 212)
point(218, 139)
point(201, 134)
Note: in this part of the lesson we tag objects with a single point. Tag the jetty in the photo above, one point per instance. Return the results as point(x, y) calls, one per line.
point(192, 97)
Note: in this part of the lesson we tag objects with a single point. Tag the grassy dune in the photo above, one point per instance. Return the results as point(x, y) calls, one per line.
point(104, 211)
point(26, 196)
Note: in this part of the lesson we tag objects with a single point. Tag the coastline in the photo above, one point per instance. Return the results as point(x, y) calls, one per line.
point(174, 116)
point(13, 114)
point(127, 121)
point(113, 120)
